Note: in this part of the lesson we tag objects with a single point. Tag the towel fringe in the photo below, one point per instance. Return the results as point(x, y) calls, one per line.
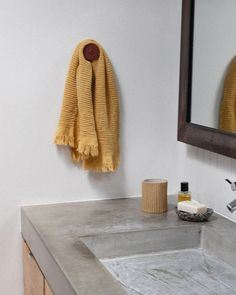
point(86, 150)
point(64, 140)
point(76, 157)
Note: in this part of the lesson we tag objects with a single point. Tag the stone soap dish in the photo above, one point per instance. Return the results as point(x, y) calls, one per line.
point(194, 216)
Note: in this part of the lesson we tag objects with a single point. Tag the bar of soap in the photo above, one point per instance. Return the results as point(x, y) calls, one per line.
point(193, 207)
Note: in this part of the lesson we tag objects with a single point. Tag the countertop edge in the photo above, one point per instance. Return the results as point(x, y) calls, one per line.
point(56, 278)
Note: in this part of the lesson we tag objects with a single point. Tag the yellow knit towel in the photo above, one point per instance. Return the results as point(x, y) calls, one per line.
point(228, 103)
point(89, 120)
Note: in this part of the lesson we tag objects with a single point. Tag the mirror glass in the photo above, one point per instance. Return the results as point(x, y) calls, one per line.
point(213, 102)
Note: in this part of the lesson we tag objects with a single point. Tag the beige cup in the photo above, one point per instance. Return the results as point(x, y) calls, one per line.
point(154, 195)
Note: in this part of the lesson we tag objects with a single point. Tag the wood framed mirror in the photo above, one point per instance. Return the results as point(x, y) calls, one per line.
point(205, 137)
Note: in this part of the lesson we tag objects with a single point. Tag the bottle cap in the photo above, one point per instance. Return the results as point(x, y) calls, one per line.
point(184, 186)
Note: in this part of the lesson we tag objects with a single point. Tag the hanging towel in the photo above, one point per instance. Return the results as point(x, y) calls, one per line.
point(89, 120)
point(228, 103)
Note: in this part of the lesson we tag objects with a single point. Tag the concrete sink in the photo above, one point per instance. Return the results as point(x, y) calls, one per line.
point(182, 260)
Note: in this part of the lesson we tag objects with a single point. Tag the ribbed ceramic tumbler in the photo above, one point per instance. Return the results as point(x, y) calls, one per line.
point(154, 195)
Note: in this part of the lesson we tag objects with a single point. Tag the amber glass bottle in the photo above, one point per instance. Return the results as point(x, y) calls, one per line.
point(184, 194)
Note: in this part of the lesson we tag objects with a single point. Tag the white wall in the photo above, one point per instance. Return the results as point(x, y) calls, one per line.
point(37, 39)
point(214, 48)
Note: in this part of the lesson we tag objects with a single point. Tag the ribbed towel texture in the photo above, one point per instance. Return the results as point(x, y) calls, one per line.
point(227, 120)
point(89, 120)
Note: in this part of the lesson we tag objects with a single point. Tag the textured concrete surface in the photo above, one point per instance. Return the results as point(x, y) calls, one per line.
point(57, 235)
point(141, 242)
point(185, 272)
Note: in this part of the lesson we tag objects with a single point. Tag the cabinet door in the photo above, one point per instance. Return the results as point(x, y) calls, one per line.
point(33, 277)
point(48, 291)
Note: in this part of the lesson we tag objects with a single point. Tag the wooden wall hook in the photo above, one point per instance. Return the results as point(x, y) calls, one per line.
point(91, 52)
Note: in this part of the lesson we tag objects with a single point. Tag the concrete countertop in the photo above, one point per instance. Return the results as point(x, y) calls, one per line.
point(54, 233)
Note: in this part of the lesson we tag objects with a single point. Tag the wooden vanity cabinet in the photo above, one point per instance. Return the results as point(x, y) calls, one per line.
point(34, 280)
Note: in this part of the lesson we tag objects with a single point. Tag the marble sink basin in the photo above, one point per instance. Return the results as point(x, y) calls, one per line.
point(190, 260)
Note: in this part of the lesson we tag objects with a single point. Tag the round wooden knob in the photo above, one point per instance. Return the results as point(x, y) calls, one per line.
point(91, 52)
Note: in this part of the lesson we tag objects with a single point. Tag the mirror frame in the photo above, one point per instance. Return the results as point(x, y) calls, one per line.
point(207, 138)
